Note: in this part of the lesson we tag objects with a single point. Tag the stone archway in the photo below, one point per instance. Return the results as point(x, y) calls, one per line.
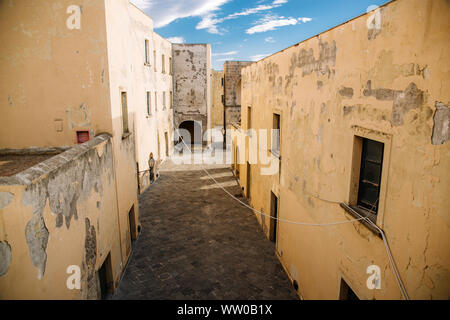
point(191, 132)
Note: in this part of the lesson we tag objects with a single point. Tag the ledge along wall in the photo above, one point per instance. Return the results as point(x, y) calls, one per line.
point(60, 213)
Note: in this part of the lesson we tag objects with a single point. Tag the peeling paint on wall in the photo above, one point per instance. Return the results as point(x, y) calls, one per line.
point(5, 199)
point(36, 234)
point(404, 101)
point(90, 247)
point(73, 180)
point(441, 131)
point(5, 258)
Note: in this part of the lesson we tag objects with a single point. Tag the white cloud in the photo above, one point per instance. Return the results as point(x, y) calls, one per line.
point(257, 57)
point(176, 39)
point(270, 40)
point(164, 12)
point(271, 22)
point(225, 59)
point(231, 53)
point(304, 20)
point(210, 21)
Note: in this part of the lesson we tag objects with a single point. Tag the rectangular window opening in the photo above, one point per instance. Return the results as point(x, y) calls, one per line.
point(276, 134)
point(369, 183)
point(164, 100)
point(124, 113)
point(149, 103)
point(147, 52)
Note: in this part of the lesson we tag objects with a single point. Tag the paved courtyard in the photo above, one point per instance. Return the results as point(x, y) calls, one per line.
point(197, 243)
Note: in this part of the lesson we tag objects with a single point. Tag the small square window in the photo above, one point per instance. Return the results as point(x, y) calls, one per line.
point(82, 136)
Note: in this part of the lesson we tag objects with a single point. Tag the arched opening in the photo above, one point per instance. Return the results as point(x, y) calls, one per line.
point(191, 131)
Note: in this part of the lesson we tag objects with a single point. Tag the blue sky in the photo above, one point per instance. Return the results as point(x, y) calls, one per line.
point(248, 29)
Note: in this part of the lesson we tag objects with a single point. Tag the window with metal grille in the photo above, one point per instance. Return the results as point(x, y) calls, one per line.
point(370, 175)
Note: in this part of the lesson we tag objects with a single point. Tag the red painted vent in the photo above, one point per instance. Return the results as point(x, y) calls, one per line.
point(82, 136)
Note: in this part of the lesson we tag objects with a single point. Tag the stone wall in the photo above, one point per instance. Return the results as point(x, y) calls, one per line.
point(192, 83)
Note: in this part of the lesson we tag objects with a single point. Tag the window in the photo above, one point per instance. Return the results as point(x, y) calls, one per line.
point(223, 99)
point(156, 101)
point(249, 118)
point(163, 64)
point(222, 82)
point(147, 53)
point(171, 100)
point(276, 133)
point(154, 59)
point(149, 103)
point(170, 66)
point(82, 136)
point(370, 175)
point(124, 113)
point(164, 100)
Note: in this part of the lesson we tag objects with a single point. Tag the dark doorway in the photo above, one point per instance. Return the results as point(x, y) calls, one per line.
point(347, 292)
point(191, 132)
point(106, 278)
point(132, 223)
point(274, 205)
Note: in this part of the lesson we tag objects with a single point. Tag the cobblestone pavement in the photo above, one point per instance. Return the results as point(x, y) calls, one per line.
point(197, 243)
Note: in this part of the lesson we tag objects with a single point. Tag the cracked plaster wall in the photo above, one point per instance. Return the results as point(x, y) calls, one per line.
point(391, 86)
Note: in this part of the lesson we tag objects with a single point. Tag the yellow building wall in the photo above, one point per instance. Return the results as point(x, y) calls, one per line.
point(53, 80)
point(121, 65)
point(386, 85)
point(56, 80)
